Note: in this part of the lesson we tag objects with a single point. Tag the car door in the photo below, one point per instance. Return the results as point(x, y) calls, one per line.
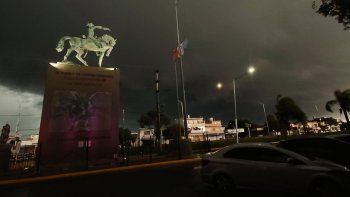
point(277, 173)
point(241, 165)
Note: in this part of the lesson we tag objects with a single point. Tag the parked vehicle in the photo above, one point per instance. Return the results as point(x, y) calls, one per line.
point(261, 166)
point(320, 147)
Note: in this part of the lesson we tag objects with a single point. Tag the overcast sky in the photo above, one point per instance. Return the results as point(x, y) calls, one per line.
point(297, 53)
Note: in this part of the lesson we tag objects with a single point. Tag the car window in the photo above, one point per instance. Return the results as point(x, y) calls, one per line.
point(270, 155)
point(317, 147)
point(240, 153)
point(257, 154)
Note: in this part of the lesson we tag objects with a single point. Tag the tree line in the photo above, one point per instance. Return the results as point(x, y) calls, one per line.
point(286, 112)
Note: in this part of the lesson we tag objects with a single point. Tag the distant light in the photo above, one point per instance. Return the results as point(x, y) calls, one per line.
point(219, 85)
point(251, 70)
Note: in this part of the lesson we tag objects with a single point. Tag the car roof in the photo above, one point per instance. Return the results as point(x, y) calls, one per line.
point(301, 138)
point(254, 144)
point(338, 135)
point(248, 145)
point(262, 145)
point(306, 138)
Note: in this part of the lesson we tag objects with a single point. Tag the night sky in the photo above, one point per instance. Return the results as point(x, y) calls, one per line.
point(297, 53)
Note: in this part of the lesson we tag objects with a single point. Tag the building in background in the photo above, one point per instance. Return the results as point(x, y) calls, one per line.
point(317, 125)
point(214, 129)
point(31, 140)
point(201, 130)
point(144, 135)
point(196, 127)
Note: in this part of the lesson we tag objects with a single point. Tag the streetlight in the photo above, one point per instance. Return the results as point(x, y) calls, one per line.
point(250, 71)
point(267, 122)
point(219, 85)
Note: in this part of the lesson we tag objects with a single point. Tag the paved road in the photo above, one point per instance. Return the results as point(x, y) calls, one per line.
point(164, 181)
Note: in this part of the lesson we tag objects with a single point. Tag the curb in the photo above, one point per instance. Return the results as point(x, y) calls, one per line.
point(97, 172)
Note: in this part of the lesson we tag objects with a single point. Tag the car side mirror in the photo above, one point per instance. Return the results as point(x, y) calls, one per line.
point(293, 161)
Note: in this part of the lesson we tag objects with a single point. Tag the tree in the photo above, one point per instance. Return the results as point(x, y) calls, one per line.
point(273, 123)
point(288, 112)
point(5, 134)
point(149, 119)
point(125, 137)
point(340, 9)
point(125, 140)
point(172, 131)
point(241, 123)
point(343, 100)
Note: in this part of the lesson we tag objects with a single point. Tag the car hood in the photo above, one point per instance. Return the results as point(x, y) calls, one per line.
point(328, 164)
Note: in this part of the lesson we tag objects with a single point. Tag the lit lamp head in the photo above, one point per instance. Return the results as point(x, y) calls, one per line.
point(251, 70)
point(219, 85)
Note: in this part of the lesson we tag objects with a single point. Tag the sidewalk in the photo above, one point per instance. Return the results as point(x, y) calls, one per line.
point(32, 180)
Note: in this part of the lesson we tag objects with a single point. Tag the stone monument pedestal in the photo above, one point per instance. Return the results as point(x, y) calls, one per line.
point(79, 123)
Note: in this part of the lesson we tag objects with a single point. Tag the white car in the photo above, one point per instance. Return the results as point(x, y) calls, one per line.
point(262, 166)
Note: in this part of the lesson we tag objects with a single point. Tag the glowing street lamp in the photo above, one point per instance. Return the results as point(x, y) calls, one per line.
point(250, 71)
point(219, 85)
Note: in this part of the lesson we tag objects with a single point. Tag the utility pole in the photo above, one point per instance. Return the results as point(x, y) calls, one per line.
point(157, 106)
point(182, 74)
point(123, 114)
point(249, 134)
point(235, 104)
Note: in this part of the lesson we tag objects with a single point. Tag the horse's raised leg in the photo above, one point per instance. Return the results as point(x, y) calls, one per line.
point(69, 51)
point(85, 54)
point(100, 59)
point(78, 56)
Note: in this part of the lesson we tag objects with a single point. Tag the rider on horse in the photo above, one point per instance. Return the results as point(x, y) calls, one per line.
point(102, 46)
point(91, 33)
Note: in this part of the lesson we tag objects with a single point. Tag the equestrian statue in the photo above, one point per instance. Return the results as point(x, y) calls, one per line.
point(100, 45)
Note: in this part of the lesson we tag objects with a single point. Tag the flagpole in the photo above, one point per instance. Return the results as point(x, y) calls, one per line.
point(182, 74)
point(177, 96)
point(19, 117)
point(178, 112)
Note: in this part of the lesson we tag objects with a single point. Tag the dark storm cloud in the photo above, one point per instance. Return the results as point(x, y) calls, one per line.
point(297, 52)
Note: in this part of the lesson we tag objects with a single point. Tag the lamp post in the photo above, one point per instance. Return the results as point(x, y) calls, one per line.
point(250, 71)
point(266, 121)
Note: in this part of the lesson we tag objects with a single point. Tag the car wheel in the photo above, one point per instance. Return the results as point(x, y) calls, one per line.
point(324, 188)
point(224, 184)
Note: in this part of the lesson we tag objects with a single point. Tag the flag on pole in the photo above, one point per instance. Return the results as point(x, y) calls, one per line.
point(176, 53)
point(180, 50)
point(182, 47)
